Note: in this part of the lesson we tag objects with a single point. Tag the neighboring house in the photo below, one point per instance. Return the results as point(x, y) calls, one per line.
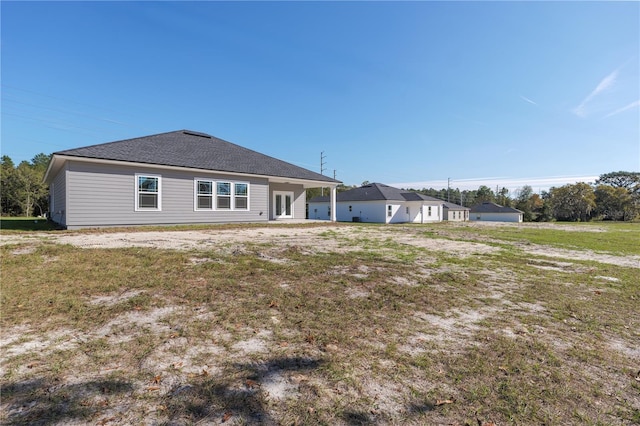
point(454, 212)
point(378, 203)
point(493, 212)
point(180, 177)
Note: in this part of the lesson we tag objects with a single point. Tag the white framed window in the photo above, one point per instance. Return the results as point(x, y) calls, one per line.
point(429, 211)
point(389, 211)
point(204, 194)
point(241, 196)
point(223, 195)
point(220, 195)
point(148, 192)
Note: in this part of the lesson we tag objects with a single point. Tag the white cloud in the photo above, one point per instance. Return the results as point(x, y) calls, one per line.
point(623, 109)
point(605, 84)
point(524, 98)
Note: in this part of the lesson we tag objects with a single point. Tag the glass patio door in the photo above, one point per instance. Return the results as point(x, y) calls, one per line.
point(283, 205)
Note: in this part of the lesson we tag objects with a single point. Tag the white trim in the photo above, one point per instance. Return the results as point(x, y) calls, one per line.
point(158, 192)
point(196, 195)
point(52, 198)
point(284, 194)
point(214, 194)
point(248, 196)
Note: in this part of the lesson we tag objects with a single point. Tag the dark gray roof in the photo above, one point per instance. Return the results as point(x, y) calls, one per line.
point(185, 148)
point(375, 192)
point(452, 206)
point(488, 207)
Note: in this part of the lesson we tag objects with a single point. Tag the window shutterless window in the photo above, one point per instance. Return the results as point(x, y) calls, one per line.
point(389, 211)
point(241, 196)
point(223, 195)
point(204, 195)
point(148, 192)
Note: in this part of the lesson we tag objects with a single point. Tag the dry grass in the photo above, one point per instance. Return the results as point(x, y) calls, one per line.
point(358, 324)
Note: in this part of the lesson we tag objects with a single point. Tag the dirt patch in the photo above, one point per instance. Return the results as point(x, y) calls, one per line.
point(393, 336)
point(588, 255)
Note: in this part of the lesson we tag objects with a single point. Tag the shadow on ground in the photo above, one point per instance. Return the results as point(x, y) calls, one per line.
point(238, 396)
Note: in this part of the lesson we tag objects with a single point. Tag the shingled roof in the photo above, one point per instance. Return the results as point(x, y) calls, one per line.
point(452, 206)
point(488, 207)
point(375, 192)
point(195, 150)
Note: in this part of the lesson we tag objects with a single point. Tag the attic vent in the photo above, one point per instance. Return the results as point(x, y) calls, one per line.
point(201, 135)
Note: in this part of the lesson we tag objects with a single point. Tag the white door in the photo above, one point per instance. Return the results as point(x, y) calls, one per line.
point(282, 205)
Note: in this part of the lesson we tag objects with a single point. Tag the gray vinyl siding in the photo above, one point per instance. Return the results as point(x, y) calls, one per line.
point(58, 213)
point(299, 199)
point(104, 195)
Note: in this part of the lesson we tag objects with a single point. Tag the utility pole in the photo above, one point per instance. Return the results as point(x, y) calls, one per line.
point(322, 163)
point(448, 190)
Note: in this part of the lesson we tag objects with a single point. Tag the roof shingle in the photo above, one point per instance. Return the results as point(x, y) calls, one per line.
point(194, 150)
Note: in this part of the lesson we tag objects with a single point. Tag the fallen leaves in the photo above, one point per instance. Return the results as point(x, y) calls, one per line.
point(251, 384)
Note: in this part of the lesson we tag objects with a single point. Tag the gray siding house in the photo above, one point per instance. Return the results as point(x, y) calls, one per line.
point(454, 212)
point(492, 212)
point(180, 177)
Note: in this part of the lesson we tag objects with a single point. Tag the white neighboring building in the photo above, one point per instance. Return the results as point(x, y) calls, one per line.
point(379, 203)
point(492, 212)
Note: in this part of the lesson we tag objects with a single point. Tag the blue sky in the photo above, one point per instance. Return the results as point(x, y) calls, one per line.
point(408, 94)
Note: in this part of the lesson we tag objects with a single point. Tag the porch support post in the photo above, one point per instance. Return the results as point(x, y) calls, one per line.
point(334, 193)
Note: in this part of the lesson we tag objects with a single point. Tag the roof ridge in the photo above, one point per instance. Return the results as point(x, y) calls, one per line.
point(121, 140)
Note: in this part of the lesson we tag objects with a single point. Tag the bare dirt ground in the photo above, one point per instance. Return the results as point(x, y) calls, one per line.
point(310, 238)
point(179, 358)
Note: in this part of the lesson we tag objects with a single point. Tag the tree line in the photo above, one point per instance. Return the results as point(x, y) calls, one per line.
point(613, 196)
point(22, 191)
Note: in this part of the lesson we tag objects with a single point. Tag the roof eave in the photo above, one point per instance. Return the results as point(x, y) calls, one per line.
point(61, 159)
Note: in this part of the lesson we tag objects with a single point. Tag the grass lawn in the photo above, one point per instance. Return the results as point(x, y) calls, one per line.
point(338, 324)
point(25, 224)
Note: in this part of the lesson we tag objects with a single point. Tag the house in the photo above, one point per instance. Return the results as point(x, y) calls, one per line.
point(180, 177)
point(493, 212)
point(454, 212)
point(378, 203)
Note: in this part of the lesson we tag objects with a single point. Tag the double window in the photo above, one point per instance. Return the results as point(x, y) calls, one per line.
point(148, 192)
point(221, 195)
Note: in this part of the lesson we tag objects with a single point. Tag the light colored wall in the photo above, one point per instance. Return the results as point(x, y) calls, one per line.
point(496, 217)
point(418, 216)
point(376, 212)
point(58, 214)
point(365, 211)
point(104, 195)
point(456, 215)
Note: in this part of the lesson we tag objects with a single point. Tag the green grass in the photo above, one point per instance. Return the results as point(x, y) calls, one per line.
point(26, 224)
point(610, 237)
point(377, 332)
